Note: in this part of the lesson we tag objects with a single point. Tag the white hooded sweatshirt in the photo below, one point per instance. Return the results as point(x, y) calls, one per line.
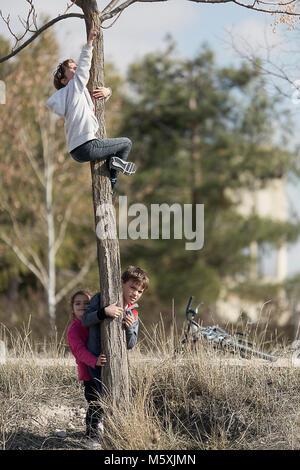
point(74, 103)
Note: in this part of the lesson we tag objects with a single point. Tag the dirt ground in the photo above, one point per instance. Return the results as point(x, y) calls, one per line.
point(60, 425)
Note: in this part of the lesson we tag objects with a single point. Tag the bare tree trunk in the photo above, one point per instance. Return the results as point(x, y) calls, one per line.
point(51, 249)
point(48, 173)
point(115, 374)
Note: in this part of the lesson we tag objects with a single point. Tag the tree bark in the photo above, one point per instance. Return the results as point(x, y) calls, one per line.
point(115, 374)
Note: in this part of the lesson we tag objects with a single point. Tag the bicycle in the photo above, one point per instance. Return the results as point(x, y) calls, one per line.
point(235, 343)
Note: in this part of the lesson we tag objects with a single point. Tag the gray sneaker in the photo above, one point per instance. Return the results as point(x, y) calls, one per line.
point(100, 427)
point(127, 168)
point(93, 443)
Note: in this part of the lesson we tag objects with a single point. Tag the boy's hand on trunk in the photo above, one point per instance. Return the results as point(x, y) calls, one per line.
point(113, 310)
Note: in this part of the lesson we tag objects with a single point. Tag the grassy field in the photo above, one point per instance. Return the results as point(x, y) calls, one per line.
point(199, 401)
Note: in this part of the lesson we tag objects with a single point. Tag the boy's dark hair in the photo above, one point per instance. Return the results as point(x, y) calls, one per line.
point(59, 74)
point(137, 275)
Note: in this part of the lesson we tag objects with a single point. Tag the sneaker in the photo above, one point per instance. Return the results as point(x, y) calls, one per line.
point(113, 182)
point(100, 428)
point(114, 195)
point(113, 188)
point(93, 443)
point(127, 168)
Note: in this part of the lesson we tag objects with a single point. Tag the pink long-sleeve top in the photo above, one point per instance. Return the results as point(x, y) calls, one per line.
point(77, 336)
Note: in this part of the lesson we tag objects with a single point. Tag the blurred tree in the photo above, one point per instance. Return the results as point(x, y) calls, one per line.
point(200, 134)
point(44, 194)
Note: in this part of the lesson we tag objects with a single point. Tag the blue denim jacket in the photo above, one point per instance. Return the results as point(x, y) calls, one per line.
point(92, 318)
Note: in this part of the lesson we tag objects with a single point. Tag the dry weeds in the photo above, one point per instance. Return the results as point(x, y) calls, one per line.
point(197, 401)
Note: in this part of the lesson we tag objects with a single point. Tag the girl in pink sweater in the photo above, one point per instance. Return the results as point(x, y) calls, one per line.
point(77, 336)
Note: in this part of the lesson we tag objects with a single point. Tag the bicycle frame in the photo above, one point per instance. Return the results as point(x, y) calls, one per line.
point(235, 343)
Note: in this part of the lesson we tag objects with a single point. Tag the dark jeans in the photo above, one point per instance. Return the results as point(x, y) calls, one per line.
point(92, 390)
point(100, 149)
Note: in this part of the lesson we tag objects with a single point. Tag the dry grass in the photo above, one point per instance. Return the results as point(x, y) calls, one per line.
point(197, 401)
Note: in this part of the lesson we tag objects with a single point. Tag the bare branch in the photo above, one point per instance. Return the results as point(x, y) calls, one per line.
point(124, 5)
point(67, 216)
point(111, 14)
point(211, 1)
point(38, 32)
point(7, 22)
point(110, 6)
point(70, 6)
point(27, 24)
point(23, 258)
point(275, 3)
point(266, 66)
point(275, 7)
point(39, 264)
point(31, 158)
point(283, 7)
point(284, 11)
point(116, 19)
point(78, 278)
point(20, 237)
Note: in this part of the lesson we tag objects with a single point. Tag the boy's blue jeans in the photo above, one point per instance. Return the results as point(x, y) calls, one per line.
point(100, 149)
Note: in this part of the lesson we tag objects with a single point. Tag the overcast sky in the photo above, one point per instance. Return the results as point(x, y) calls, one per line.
point(143, 26)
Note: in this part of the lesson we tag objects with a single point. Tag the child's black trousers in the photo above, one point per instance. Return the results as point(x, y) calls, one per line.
point(94, 412)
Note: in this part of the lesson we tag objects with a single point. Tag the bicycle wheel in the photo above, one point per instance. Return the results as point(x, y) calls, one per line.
point(296, 358)
point(247, 351)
